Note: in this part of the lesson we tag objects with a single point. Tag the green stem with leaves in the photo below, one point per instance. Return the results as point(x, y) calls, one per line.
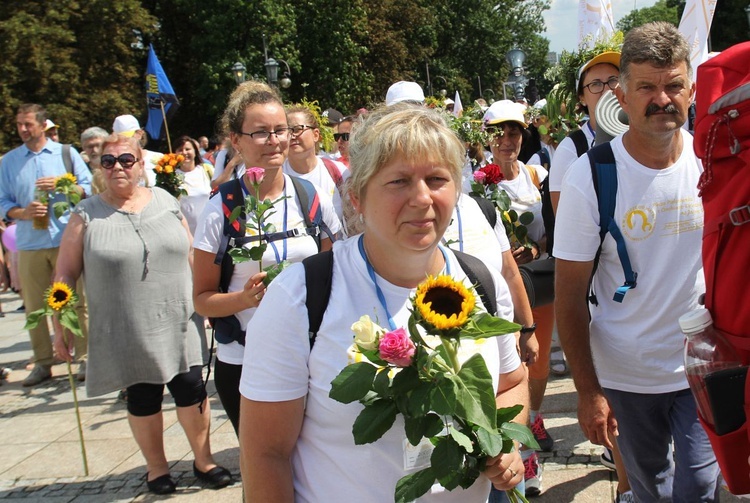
point(452, 351)
point(78, 421)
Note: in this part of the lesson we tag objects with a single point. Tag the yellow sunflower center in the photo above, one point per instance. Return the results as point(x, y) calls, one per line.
point(444, 302)
point(59, 295)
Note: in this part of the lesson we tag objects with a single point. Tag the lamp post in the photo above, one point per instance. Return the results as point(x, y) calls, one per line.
point(443, 91)
point(272, 69)
point(429, 84)
point(517, 80)
point(239, 72)
point(489, 96)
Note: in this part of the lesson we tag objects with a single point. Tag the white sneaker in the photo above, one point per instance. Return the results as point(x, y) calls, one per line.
point(533, 475)
point(607, 459)
point(626, 497)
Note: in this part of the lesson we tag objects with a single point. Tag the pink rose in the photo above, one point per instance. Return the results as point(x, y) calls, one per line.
point(479, 176)
point(397, 348)
point(256, 175)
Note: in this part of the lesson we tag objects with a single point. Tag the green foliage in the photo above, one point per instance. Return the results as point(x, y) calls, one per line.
point(83, 60)
point(660, 11)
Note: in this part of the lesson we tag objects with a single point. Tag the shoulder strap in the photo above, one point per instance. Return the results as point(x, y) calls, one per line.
point(544, 158)
point(579, 140)
point(67, 159)
point(534, 175)
point(310, 204)
point(487, 208)
point(481, 277)
point(604, 176)
point(231, 197)
point(318, 280)
point(333, 170)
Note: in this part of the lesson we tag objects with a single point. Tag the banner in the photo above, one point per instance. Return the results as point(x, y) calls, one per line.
point(158, 91)
point(595, 21)
point(458, 108)
point(695, 26)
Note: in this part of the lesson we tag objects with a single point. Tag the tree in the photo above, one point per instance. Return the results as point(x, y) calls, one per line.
point(83, 61)
point(662, 10)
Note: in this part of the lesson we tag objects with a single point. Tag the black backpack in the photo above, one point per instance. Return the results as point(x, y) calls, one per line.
point(319, 275)
point(227, 329)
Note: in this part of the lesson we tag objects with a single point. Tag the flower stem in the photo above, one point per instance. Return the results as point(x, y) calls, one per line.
point(450, 349)
point(78, 420)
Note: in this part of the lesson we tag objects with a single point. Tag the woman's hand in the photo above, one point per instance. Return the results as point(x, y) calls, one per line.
point(63, 344)
point(254, 289)
point(524, 255)
point(505, 471)
point(529, 347)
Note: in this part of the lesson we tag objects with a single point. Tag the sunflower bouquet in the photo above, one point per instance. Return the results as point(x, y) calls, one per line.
point(485, 185)
point(167, 177)
point(448, 405)
point(257, 212)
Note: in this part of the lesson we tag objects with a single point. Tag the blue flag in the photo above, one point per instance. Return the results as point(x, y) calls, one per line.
point(158, 91)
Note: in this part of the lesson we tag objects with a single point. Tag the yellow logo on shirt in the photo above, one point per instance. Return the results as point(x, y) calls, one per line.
point(638, 223)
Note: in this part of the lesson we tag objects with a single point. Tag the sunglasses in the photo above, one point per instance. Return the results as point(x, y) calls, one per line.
point(341, 136)
point(108, 161)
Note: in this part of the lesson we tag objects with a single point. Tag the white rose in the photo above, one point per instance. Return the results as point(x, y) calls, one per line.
point(366, 333)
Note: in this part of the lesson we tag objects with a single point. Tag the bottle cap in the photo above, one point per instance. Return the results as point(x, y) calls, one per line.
point(695, 320)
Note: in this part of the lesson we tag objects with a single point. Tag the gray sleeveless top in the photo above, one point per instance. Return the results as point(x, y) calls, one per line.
point(139, 291)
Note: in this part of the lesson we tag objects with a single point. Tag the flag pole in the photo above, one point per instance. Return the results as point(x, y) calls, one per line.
point(166, 127)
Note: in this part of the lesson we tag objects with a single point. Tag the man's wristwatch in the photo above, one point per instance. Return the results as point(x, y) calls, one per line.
point(528, 330)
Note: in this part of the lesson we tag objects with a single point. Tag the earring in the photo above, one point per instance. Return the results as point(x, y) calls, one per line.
point(361, 218)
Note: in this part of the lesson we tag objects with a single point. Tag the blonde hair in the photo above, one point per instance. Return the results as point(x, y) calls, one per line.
point(246, 94)
point(412, 132)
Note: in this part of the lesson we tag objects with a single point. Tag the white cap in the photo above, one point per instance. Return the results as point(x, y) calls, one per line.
point(125, 125)
point(48, 124)
point(695, 321)
point(404, 91)
point(449, 101)
point(505, 111)
point(540, 104)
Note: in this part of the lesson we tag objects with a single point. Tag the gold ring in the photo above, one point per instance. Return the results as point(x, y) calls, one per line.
point(258, 296)
point(512, 473)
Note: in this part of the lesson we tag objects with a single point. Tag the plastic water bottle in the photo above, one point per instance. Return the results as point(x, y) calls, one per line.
point(706, 352)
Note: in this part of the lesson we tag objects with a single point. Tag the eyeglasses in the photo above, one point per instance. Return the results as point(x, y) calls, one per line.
point(298, 130)
point(341, 136)
point(126, 161)
point(597, 86)
point(281, 134)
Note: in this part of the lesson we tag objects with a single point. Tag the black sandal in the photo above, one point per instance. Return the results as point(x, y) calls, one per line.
point(161, 485)
point(215, 478)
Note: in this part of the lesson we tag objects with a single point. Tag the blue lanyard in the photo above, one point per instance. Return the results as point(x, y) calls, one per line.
point(593, 133)
point(279, 259)
point(460, 232)
point(378, 290)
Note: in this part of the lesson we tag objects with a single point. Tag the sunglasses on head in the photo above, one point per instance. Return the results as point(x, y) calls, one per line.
point(341, 136)
point(126, 161)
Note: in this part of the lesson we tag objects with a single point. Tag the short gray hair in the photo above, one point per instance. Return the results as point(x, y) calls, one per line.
point(659, 44)
point(93, 132)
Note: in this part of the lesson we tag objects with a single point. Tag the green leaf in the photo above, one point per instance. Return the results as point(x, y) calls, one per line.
point(506, 414)
point(420, 401)
point(447, 457)
point(526, 218)
point(235, 214)
point(269, 228)
point(414, 427)
point(521, 233)
point(69, 319)
point(445, 397)
point(520, 433)
point(33, 318)
point(59, 208)
point(374, 420)
point(240, 255)
point(484, 325)
point(503, 201)
point(256, 252)
point(353, 382)
point(433, 425)
point(74, 197)
point(454, 479)
point(274, 270)
point(513, 214)
point(491, 442)
point(411, 487)
point(405, 380)
point(543, 129)
point(476, 395)
point(461, 439)
point(382, 383)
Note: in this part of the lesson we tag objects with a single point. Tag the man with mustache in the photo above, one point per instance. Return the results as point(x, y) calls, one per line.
point(627, 360)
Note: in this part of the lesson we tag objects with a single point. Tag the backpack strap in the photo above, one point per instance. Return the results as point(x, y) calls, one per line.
point(544, 158)
point(579, 140)
point(67, 159)
point(487, 207)
point(312, 213)
point(318, 281)
point(481, 277)
point(333, 170)
point(604, 176)
point(534, 175)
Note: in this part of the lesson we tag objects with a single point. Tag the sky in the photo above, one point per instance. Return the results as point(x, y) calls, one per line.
point(562, 20)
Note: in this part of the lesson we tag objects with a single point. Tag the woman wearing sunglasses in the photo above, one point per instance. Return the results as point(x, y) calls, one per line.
point(256, 123)
point(303, 160)
point(134, 245)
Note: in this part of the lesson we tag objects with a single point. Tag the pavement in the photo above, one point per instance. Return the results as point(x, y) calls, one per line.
point(41, 461)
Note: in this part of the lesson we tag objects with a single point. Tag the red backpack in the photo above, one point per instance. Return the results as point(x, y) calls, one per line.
point(722, 141)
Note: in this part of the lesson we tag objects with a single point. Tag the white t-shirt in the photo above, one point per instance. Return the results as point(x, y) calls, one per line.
point(198, 187)
point(637, 344)
point(536, 160)
point(525, 196)
point(150, 158)
point(564, 157)
point(327, 465)
point(221, 161)
point(470, 227)
point(322, 180)
point(208, 236)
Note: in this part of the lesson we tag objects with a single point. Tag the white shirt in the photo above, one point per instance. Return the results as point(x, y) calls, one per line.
point(321, 178)
point(198, 187)
point(565, 156)
point(327, 466)
point(525, 196)
point(208, 238)
point(637, 344)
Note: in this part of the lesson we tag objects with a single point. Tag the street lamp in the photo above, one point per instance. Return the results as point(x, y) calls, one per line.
point(517, 80)
point(489, 96)
point(239, 72)
point(272, 70)
point(443, 92)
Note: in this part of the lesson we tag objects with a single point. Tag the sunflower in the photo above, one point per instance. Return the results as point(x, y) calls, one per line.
point(66, 179)
point(444, 302)
point(59, 295)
